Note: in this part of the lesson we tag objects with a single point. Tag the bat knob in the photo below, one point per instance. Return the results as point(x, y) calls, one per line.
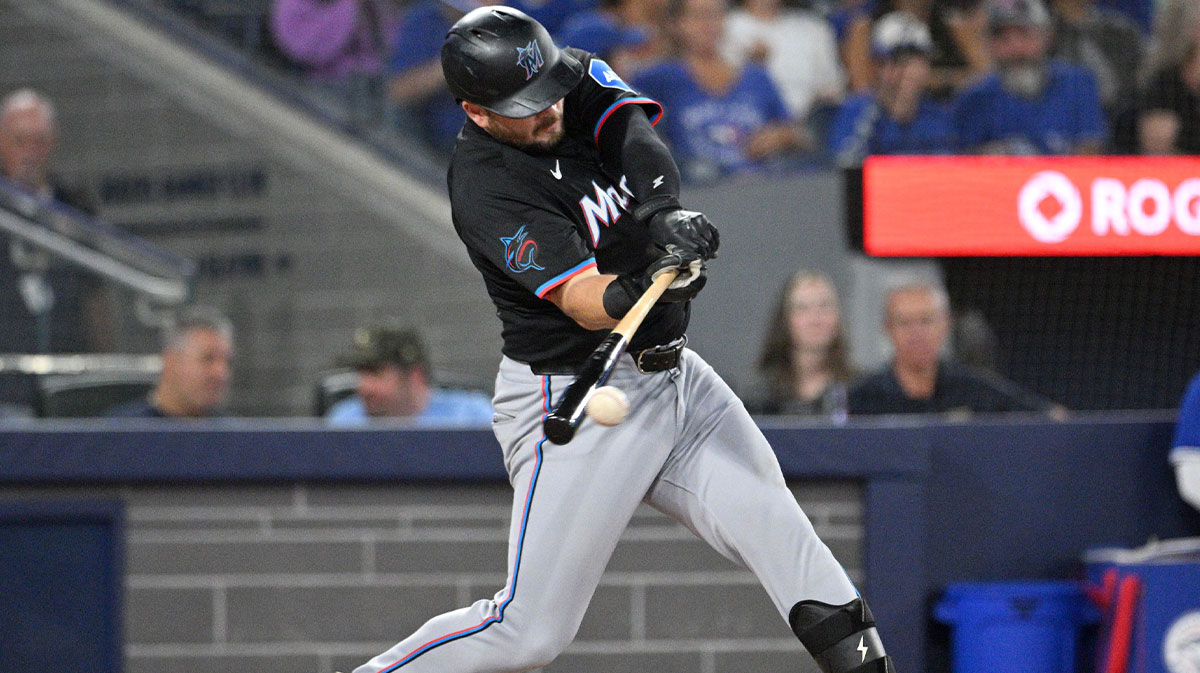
point(558, 429)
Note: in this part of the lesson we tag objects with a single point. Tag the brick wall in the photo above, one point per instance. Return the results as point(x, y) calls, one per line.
point(318, 578)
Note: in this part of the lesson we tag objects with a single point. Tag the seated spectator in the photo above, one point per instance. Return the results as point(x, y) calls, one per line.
point(1175, 26)
point(394, 382)
point(336, 39)
point(917, 320)
point(416, 87)
point(1186, 452)
point(46, 306)
point(1168, 120)
point(605, 32)
point(343, 47)
point(196, 355)
point(959, 55)
point(1032, 104)
point(781, 38)
point(1103, 41)
point(897, 116)
point(804, 366)
point(721, 118)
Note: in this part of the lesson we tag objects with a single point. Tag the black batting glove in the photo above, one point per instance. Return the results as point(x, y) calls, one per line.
point(685, 230)
point(670, 225)
point(622, 293)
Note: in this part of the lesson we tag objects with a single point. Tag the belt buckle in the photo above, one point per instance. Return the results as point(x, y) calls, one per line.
point(672, 347)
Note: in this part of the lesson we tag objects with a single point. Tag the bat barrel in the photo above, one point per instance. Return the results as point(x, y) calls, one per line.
point(560, 429)
point(568, 412)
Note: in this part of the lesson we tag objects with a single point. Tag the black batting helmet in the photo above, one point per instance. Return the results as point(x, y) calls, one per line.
point(504, 61)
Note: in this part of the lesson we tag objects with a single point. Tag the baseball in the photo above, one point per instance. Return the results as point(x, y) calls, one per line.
point(608, 406)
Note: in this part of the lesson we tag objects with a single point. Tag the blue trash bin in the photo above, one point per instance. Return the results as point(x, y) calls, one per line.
point(1015, 627)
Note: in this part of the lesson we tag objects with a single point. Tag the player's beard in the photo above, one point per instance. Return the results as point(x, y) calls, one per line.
point(544, 136)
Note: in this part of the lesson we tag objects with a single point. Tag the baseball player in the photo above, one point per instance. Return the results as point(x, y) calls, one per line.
point(568, 204)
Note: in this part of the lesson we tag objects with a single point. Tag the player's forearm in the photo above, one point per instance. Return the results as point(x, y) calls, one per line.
point(582, 299)
point(629, 145)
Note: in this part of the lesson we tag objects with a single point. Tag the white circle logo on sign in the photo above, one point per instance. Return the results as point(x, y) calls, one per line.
point(1181, 646)
point(1054, 185)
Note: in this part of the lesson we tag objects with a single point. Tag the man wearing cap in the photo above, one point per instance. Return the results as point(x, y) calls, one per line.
point(1031, 104)
point(394, 382)
point(897, 116)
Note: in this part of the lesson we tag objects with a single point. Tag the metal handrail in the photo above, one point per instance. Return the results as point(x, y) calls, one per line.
point(95, 245)
point(41, 365)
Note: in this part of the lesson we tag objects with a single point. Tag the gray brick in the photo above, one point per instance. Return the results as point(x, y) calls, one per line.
point(388, 525)
point(712, 611)
point(766, 662)
point(681, 662)
point(405, 494)
point(331, 614)
point(180, 558)
point(609, 615)
point(206, 525)
point(847, 552)
point(486, 521)
point(659, 555)
point(212, 496)
point(349, 662)
point(227, 663)
point(450, 557)
point(169, 616)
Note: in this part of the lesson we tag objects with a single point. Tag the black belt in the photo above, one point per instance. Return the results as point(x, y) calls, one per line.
point(660, 358)
point(650, 360)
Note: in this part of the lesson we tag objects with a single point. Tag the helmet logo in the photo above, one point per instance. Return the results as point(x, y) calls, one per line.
point(530, 58)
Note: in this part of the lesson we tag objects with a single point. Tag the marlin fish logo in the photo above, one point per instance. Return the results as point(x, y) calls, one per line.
point(530, 58)
point(519, 251)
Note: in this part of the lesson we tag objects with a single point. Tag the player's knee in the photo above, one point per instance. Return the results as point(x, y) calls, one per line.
point(842, 638)
point(534, 650)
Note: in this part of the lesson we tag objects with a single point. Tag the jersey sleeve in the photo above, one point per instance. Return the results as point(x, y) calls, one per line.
point(601, 93)
point(533, 246)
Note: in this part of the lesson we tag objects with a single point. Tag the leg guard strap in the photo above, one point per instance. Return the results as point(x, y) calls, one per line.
point(841, 638)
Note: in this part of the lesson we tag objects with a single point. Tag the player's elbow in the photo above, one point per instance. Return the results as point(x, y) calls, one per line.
point(592, 323)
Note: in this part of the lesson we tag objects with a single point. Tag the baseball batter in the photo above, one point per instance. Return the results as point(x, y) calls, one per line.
point(568, 204)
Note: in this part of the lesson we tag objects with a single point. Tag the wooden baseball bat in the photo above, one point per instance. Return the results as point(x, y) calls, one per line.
point(560, 425)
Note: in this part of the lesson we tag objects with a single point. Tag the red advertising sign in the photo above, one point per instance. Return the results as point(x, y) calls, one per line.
point(1015, 206)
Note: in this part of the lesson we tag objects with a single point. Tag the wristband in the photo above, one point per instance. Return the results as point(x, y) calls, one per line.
point(644, 211)
point(620, 296)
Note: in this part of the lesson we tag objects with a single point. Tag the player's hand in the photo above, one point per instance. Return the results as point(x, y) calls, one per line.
point(684, 231)
point(687, 284)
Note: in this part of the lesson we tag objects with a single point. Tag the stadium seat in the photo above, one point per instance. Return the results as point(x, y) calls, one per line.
point(89, 393)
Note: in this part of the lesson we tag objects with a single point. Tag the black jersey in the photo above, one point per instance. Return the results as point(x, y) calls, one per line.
point(532, 220)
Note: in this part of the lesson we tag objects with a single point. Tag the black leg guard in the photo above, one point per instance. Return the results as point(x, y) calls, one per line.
point(842, 638)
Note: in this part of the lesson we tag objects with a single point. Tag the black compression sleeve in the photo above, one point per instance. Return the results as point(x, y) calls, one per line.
point(630, 145)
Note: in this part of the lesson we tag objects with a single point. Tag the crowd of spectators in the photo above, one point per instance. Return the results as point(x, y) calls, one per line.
point(780, 85)
point(760, 86)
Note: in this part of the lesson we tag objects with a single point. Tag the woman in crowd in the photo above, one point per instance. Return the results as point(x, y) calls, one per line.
point(804, 366)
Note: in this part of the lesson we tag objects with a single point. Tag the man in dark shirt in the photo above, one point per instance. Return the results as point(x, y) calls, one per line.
point(917, 320)
point(196, 356)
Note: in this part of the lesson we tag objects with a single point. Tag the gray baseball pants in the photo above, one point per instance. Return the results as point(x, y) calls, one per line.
point(688, 448)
